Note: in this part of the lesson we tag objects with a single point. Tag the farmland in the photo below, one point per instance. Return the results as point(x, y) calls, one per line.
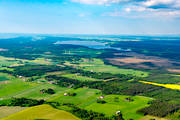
point(118, 102)
point(41, 112)
point(85, 82)
point(98, 65)
point(78, 77)
point(170, 86)
point(3, 77)
point(6, 111)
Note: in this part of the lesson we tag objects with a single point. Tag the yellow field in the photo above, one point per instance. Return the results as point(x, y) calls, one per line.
point(178, 75)
point(170, 86)
point(6, 111)
point(41, 112)
point(148, 117)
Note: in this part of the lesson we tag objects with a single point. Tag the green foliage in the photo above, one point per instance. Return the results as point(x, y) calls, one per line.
point(35, 70)
point(101, 101)
point(160, 109)
point(23, 102)
point(48, 91)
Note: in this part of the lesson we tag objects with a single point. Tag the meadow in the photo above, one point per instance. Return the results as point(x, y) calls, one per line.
point(116, 103)
point(84, 96)
point(85, 74)
point(86, 99)
point(6, 111)
point(3, 77)
point(97, 65)
point(79, 77)
point(45, 112)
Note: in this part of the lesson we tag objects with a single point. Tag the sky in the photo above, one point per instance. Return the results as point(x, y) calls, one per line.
point(90, 16)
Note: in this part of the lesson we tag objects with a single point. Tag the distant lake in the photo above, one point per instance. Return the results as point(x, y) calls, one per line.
point(90, 44)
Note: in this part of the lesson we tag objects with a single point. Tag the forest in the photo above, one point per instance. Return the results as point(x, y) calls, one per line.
point(77, 78)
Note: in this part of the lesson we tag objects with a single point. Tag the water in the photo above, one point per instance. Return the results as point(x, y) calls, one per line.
point(91, 44)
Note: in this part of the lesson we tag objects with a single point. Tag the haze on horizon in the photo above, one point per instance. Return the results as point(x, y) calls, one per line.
point(90, 16)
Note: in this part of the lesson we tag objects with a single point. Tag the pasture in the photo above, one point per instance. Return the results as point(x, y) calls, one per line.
point(34, 92)
point(79, 77)
point(3, 77)
point(83, 98)
point(86, 99)
point(97, 65)
point(6, 111)
point(148, 117)
point(18, 88)
point(116, 103)
point(41, 112)
point(14, 87)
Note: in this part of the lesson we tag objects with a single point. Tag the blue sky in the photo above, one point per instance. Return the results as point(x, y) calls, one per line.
point(90, 16)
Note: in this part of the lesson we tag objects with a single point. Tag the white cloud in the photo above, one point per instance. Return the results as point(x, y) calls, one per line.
point(146, 8)
point(150, 12)
point(99, 2)
point(149, 3)
point(164, 8)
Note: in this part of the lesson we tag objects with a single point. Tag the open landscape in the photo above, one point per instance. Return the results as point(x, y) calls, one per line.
point(104, 84)
point(89, 59)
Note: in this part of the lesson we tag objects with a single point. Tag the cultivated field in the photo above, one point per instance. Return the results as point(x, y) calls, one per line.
point(118, 103)
point(84, 96)
point(3, 77)
point(6, 111)
point(99, 66)
point(170, 86)
point(45, 112)
point(174, 70)
point(79, 77)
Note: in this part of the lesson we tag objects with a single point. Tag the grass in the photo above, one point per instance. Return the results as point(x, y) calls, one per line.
point(3, 77)
point(97, 65)
point(148, 117)
point(40, 61)
point(18, 88)
point(127, 108)
point(14, 87)
point(170, 86)
point(34, 93)
point(6, 111)
point(84, 97)
point(79, 77)
point(5, 68)
point(5, 61)
point(41, 112)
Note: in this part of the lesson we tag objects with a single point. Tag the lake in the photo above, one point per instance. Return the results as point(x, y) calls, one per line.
point(91, 44)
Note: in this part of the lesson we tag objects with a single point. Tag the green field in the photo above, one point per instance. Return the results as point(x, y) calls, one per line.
point(127, 108)
point(79, 77)
point(97, 65)
point(14, 87)
point(41, 112)
point(34, 92)
point(5, 61)
point(86, 98)
point(3, 77)
point(18, 88)
point(83, 98)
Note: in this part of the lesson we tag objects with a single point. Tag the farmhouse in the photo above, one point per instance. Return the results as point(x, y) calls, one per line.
point(101, 97)
point(117, 112)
